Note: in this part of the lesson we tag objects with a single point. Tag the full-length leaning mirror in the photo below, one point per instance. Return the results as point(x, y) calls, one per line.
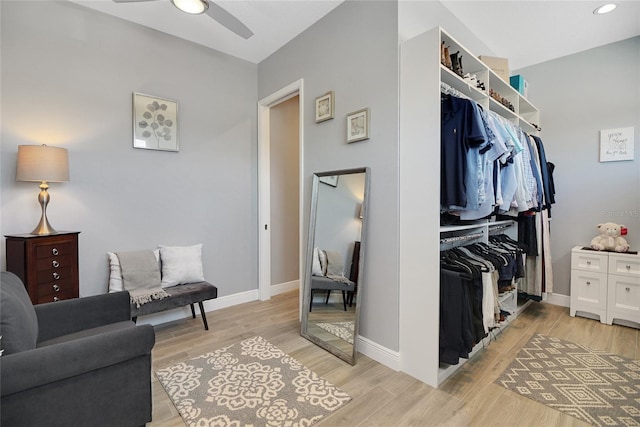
point(333, 282)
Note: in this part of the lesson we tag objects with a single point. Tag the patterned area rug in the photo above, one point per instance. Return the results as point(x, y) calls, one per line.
point(251, 383)
point(597, 387)
point(343, 330)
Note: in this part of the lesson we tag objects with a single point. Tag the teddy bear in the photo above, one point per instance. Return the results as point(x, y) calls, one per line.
point(610, 238)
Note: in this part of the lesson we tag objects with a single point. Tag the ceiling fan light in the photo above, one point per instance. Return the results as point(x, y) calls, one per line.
point(606, 8)
point(194, 7)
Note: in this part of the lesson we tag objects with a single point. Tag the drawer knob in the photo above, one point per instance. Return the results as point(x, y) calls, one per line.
point(588, 283)
point(55, 264)
point(56, 299)
point(627, 289)
point(54, 251)
point(628, 267)
point(588, 262)
point(56, 276)
point(56, 288)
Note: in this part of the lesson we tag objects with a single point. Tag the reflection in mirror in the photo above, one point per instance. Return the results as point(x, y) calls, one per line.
point(334, 264)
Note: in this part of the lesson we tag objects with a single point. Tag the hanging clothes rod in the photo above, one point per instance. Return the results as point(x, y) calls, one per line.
point(448, 90)
point(461, 238)
point(499, 227)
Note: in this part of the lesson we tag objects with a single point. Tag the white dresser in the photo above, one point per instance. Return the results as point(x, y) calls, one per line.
point(606, 284)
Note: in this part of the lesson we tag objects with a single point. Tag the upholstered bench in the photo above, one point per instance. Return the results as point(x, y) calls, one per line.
point(179, 296)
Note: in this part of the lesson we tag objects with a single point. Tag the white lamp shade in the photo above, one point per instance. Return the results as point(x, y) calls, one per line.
point(42, 163)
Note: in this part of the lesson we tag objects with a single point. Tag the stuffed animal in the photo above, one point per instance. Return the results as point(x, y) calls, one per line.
point(610, 238)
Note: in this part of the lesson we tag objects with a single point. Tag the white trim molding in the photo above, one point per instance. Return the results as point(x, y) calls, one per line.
point(375, 351)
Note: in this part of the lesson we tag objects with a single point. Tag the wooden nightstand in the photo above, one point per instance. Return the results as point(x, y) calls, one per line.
point(47, 265)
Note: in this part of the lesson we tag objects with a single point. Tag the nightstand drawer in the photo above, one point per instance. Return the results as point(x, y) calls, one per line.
point(624, 265)
point(55, 249)
point(594, 261)
point(53, 275)
point(44, 264)
point(67, 293)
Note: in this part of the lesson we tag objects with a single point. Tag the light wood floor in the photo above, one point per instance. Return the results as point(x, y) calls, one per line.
point(381, 396)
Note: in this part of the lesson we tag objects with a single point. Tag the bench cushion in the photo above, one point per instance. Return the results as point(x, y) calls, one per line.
point(180, 296)
point(324, 283)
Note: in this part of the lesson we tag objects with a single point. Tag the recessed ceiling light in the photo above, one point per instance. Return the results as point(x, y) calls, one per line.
point(606, 8)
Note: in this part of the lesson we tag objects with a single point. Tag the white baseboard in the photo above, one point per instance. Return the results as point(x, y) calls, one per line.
point(284, 287)
point(387, 357)
point(558, 299)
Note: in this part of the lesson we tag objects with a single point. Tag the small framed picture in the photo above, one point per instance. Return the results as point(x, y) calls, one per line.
point(358, 125)
point(324, 107)
point(331, 180)
point(155, 123)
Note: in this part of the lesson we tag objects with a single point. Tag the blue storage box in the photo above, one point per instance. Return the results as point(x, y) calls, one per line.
point(520, 84)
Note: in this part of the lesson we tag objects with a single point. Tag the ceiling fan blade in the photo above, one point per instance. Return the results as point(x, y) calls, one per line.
point(129, 1)
point(228, 20)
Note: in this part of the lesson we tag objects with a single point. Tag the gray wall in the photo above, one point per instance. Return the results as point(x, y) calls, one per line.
point(354, 52)
point(68, 74)
point(285, 191)
point(579, 95)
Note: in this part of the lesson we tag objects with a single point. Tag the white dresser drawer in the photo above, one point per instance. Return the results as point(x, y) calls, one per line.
point(589, 293)
point(623, 300)
point(624, 264)
point(594, 261)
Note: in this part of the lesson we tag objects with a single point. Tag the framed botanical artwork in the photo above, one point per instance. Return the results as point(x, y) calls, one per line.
point(324, 107)
point(358, 125)
point(331, 180)
point(155, 123)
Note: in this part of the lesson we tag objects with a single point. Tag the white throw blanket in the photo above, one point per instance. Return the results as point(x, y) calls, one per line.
point(141, 276)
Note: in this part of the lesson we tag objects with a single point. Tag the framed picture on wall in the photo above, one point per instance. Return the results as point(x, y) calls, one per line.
point(358, 125)
point(324, 107)
point(155, 123)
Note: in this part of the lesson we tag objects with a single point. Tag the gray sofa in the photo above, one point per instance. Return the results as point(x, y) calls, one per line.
point(79, 362)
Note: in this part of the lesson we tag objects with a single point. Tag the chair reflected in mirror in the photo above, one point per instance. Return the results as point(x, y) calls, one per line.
point(348, 287)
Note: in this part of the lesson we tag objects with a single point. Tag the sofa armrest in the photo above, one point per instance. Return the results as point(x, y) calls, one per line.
point(68, 316)
point(44, 365)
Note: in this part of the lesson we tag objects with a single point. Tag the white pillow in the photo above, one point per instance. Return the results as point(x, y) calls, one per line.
point(316, 269)
point(115, 271)
point(181, 264)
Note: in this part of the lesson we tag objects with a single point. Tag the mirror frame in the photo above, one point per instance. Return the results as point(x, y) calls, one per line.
point(349, 358)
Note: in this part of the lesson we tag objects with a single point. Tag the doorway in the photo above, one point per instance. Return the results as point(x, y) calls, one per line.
point(280, 191)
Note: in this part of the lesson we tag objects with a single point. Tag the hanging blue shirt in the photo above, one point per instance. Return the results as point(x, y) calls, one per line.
point(462, 130)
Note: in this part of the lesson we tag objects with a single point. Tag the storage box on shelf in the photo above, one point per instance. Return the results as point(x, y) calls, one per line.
point(500, 66)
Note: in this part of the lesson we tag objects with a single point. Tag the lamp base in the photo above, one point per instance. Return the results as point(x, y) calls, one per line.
point(43, 226)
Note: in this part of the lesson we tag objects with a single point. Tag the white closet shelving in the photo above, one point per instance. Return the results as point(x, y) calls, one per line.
point(421, 74)
point(524, 113)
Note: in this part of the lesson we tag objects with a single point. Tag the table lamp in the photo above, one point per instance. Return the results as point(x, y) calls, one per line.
point(42, 163)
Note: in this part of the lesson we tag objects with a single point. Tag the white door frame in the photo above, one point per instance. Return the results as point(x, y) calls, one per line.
point(264, 182)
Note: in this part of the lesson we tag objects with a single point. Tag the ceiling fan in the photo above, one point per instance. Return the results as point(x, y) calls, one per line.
point(196, 7)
